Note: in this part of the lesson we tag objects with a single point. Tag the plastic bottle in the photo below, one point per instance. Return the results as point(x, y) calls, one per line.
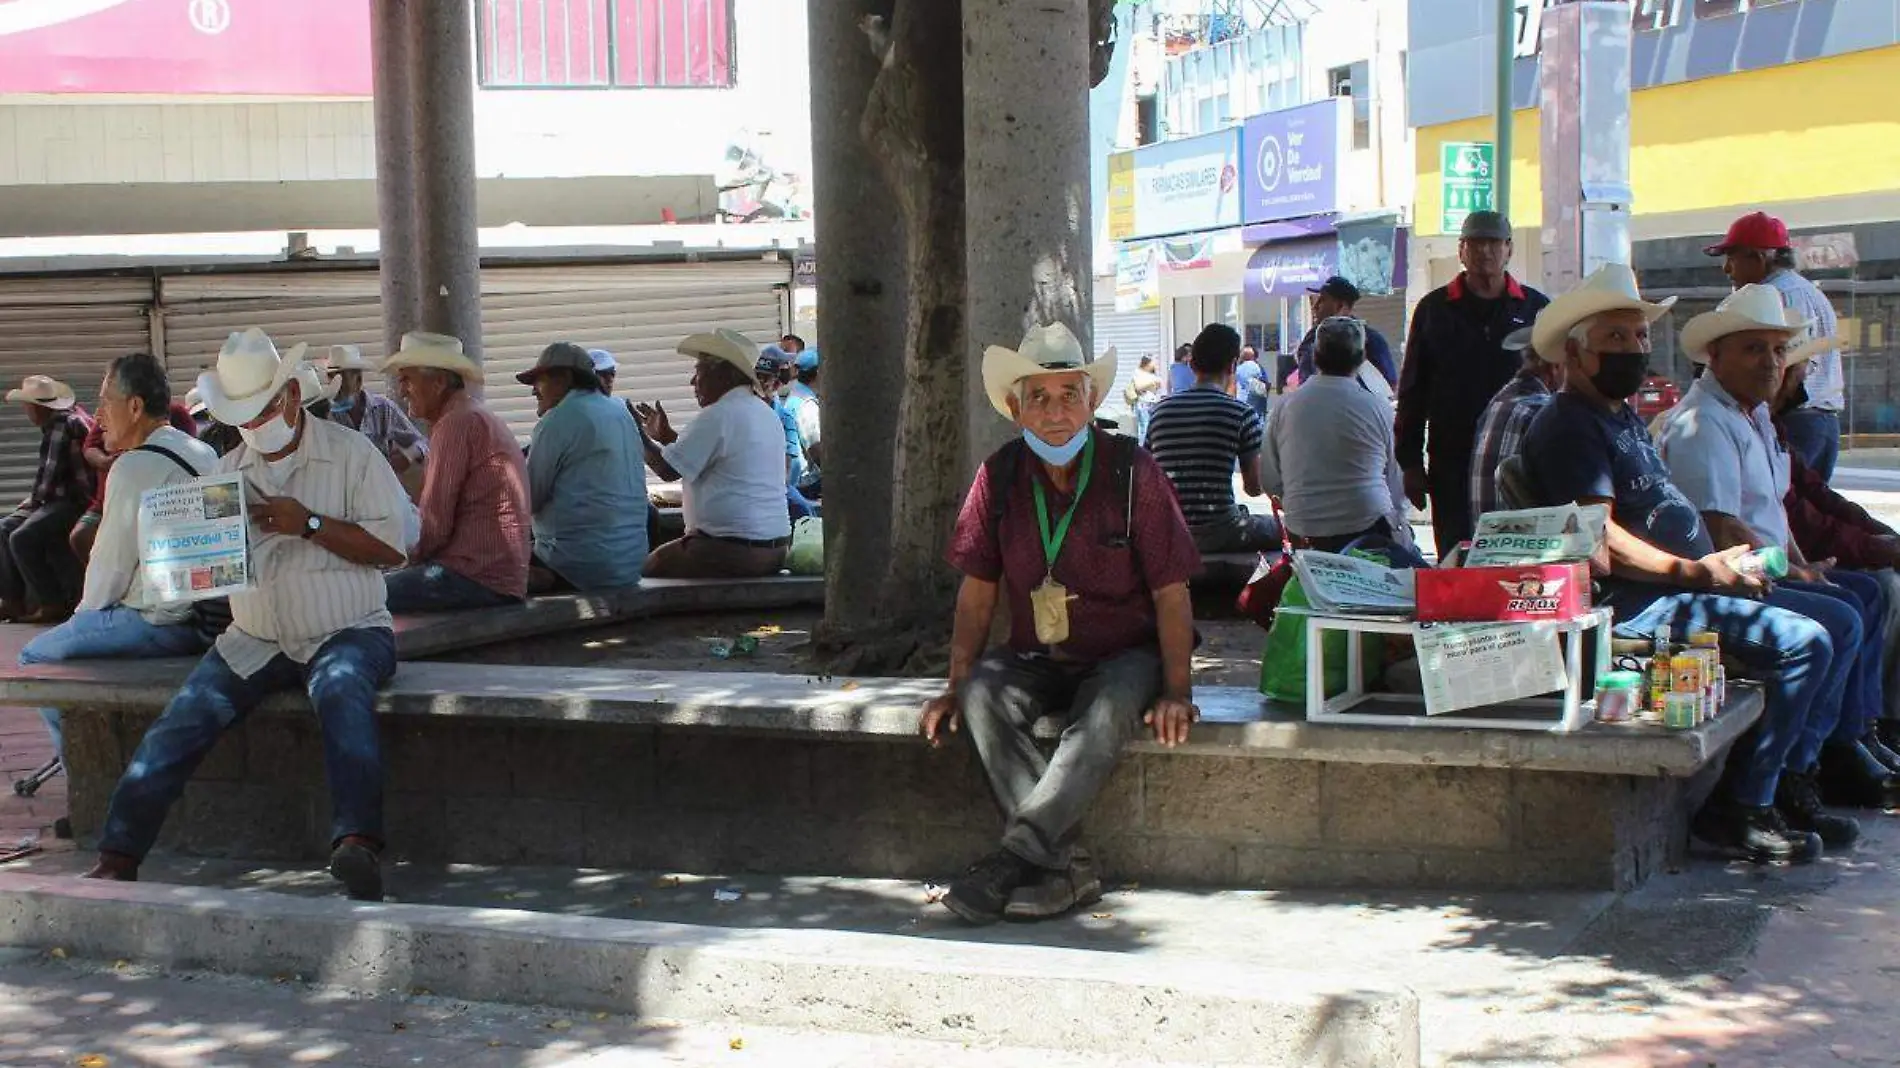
point(1769, 561)
point(1659, 678)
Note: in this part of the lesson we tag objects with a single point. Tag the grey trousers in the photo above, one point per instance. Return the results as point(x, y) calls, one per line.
point(1890, 644)
point(1044, 798)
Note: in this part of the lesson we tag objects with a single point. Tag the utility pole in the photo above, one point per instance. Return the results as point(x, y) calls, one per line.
point(1507, 58)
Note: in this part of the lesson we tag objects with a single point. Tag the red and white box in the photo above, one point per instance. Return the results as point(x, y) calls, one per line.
point(1519, 593)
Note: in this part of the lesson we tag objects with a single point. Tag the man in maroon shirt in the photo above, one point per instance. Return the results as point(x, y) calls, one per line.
point(1078, 534)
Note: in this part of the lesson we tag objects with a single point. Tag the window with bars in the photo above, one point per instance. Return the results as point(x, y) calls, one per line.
point(626, 44)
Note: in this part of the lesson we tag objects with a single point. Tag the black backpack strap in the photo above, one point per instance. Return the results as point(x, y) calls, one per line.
point(1002, 467)
point(170, 455)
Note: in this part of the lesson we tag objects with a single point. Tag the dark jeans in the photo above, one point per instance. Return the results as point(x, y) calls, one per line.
point(434, 588)
point(341, 679)
point(1815, 437)
point(1044, 799)
point(1337, 543)
point(1449, 483)
point(1862, 702)
point(36, 560)
point(1241, 532)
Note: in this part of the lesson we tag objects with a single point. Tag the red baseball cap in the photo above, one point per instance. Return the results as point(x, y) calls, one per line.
point(1755, 230)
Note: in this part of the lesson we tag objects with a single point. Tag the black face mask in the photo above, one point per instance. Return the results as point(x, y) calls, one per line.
point(1620, 374)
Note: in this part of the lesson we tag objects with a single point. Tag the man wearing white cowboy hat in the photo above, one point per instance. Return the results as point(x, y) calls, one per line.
point(1722, 450)
point(326, 516)
point(586, 479)
point(732, 460)
point(472, 551)
point(37, 563)
point(376, 416)
point(1587, 446)
point(1078, 533)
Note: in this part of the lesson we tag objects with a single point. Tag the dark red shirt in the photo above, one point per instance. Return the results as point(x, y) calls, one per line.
point(1113, 585)
point(1826, 524)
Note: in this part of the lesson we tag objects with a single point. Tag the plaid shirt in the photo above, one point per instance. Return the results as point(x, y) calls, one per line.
point(384, 423)
point(64, 474)
point(1500, 434)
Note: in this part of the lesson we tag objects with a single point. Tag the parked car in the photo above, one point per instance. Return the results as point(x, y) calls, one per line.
point(1657, 395)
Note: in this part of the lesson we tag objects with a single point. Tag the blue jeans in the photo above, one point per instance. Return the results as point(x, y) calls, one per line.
point(116, 633)
point(434, 588)
point(341, 679)
point(1783, 638)
point(1865, 696)
point(1815, 437)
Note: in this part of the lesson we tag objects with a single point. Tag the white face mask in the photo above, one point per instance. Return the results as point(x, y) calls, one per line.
point(274, 436)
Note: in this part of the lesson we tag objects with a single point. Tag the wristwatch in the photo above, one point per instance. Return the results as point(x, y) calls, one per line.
point(312, 525)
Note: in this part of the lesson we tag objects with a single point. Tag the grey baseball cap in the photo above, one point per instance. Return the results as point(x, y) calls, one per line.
point(1486, 226)
point(562, 355)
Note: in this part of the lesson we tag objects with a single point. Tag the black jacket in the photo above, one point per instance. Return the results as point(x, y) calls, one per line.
point(1455, 363)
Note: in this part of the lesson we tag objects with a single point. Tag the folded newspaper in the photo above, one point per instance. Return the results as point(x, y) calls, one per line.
point(1537, 536)
point(1351, 586)
point(193, 538)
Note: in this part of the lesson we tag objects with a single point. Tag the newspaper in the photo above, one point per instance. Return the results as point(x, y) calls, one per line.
point(1348, 584)
point(1537, 536)
point(1468, 665)
point(193, 538)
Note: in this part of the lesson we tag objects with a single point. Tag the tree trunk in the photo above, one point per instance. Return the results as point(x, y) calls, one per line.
point(861, 285)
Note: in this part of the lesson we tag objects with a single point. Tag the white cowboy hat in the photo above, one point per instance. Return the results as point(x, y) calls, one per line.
point(339, 358)
point(1611, 288)
point(43, 391)
point(314, 384)
point(194, 403)
point(1046, 350)
point(248, 376)
point(440, 351)
point(1752, 307)
point(723, 344)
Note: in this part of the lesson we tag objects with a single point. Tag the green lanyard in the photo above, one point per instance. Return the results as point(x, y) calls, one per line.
point(1052, 545)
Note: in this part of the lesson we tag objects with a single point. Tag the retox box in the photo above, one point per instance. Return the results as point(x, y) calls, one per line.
point(1520, 593)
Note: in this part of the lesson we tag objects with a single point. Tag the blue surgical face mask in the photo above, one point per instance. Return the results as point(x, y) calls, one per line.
point(342, 404)
point(1057, 455)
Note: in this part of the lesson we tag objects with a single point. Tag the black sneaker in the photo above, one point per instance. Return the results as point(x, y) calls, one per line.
point(980, 894)
point(1851, 778)
point(1888, 758)
point(1757, 835)
point(1798, 800)
point(1052, 893)
point(1888, 731)
point(355, 864)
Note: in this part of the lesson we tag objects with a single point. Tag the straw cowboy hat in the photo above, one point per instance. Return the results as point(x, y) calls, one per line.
point(440, 351)
point(43, 391)
point(1611, 288)
point(1752, 307)
point(248, 376)
point(314, 384)
point(339, 358)
point(728, 345)
point(1045, 350)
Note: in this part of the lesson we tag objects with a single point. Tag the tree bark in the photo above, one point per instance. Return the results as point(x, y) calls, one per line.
point(861, 301)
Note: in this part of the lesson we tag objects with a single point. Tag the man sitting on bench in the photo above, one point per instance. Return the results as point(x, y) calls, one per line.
point(326, 516)
point(1078, 532)
point(585, 479)
point(119, 617)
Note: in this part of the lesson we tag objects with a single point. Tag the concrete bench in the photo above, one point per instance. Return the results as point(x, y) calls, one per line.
point(720, 772)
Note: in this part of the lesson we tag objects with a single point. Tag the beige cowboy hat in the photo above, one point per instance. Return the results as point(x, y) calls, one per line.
point(440, 351)
point(336, 359)
point(314, 384)
point(1612, 287)
point(728, 345)
point(1046, 350)
point(1752, 307)
point(43, 391)
point(248, 376)
point(194, 402)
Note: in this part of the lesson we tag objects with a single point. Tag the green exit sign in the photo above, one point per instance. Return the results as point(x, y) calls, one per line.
point(1468, 172)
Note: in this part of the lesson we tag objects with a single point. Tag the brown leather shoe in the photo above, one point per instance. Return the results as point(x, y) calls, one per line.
point(357, 864)
point(114, 867)
point(11, 611)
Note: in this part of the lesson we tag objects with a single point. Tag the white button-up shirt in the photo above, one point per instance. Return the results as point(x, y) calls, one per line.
point(1827, 384)
point(1728, 460)
point(304, 593)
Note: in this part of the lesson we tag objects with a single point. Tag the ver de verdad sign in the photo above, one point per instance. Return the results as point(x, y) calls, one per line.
point(1292, 160)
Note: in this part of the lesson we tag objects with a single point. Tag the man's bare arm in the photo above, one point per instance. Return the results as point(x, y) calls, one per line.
point(976, 609)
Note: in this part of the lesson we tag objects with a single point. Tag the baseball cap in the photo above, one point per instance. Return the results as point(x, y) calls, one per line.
point(1755, 230)
point(1339, 289)
point(808, 360)
point(1485, 226)
point(604, 362)
point(560, 356)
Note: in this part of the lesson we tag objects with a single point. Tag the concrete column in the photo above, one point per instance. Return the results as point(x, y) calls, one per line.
point(449, 261)
point(396, 204)
point(1026, 177)
point(861, 308)
point(1585, 81)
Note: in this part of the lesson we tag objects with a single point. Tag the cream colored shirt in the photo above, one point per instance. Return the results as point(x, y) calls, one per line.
point(304, 593)
point(114, 574)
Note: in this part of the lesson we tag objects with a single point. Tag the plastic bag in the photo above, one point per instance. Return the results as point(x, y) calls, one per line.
point(807, 554)
point(1283, 663)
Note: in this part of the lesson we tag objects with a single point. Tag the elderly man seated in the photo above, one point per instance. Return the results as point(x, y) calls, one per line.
point(1588, 446)
point(472, 550)
point(326, 517)
point(377, 417)
point(732, 460)
point(1722, 451)
point(119, 616)
point(767, 374)
point(1501, 428)
point(585, 479)
point(1329, 449)
point(40, 575)
point(1078, 535)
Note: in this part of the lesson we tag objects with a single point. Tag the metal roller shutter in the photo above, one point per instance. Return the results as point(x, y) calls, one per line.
point(1386, 315)
point(1132, 335)
point(69, 328)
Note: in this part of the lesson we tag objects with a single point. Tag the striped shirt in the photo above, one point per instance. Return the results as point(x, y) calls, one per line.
point(1501, 433)
point(1827, 386)
point(385, 424)
point(475, 499)
point(304, 593)
point(1197, 435)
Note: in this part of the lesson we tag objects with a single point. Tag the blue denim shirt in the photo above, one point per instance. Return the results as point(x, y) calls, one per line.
point(587, 480)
